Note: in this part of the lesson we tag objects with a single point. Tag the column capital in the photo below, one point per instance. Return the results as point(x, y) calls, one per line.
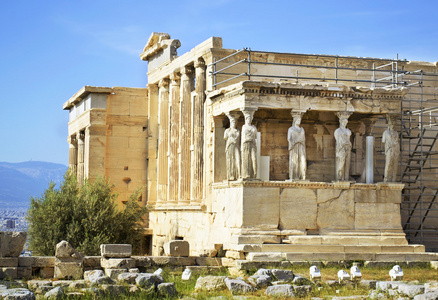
point(200, 63)
point(80, 136)
point(344, 114)
point(164, 83)
point(72, 139)
point(152, 87)
point(175, 77)
point(297, 113)
point(186, 71)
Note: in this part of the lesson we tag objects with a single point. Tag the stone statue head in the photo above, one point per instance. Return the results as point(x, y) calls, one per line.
point(232, 116)
point(296, 115)
point(248, 114)
point(392, 120)
point(343, 118)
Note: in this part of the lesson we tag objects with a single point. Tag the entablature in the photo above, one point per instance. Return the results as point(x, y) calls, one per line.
point(312, 96)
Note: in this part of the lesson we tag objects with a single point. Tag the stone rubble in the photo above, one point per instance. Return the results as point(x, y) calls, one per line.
point(274, 283)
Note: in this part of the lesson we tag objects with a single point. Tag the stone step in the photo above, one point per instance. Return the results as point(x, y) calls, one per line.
point(339, 256)
point(291, 248)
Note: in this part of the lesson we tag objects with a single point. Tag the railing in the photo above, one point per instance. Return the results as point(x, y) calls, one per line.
point(227, 71)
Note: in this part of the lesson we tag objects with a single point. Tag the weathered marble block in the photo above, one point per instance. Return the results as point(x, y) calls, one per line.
point(117, 263)
point(11, 243)
point(116, 250)
point(177, 248)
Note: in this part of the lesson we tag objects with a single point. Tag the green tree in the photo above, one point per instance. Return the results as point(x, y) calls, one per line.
point(84, 215)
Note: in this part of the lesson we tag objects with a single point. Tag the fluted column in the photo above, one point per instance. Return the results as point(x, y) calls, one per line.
point(72, 154)
point(185, 136)
point(81, 147)
point(163, 129)
point(173, 172)
point(197, 169)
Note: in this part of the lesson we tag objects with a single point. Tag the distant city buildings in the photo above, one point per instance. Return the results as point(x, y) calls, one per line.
point(13, 220)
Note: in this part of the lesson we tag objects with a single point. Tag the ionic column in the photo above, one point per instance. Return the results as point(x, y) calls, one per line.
point(163, 111)
point(173, 167)
point(185, 136)
point(72, 154)
point(197, 169)
point(80, 137)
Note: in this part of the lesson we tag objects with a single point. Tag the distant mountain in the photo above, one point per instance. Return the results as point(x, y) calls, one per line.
point(20, 181)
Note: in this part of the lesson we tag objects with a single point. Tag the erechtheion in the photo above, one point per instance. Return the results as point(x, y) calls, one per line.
point(260, 152)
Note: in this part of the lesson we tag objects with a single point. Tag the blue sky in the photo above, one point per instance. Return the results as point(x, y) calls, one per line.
point(50, 49)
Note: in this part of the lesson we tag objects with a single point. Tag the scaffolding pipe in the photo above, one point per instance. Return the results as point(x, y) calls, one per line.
point(369, 159)
point(226, 57)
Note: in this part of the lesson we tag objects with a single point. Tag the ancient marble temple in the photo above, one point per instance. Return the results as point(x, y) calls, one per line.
point(246, 153)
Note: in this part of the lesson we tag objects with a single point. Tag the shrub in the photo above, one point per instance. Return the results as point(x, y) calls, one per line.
point(84, 215)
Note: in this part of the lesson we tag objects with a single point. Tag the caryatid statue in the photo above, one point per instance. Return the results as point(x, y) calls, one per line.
point(232, 148)
point(297, 148)
point(343, 147)
point(392, 150)
point(249, 146)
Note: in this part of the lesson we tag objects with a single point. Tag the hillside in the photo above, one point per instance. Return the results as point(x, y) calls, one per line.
point(20, 181)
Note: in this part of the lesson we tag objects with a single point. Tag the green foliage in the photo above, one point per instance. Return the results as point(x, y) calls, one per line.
point(85, 216)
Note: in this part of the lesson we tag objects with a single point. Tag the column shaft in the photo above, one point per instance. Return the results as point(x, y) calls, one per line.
point(173, 173)
point(81, 149)
point(72, 155)
point(163, 130)
point(185, 137)
point(197, 169)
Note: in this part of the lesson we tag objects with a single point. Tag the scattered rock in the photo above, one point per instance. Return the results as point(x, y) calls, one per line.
point(61, 283)
point(260, 280)
point(238, 286)
point(148, 281)
point(34, 284)
point(283, 275)
point(19, 294)
point(427, 296)
point(65, 250)
point(167, 289)
point(302, 290)
point(93, 291)
point(263, 272)
point(368, 284)
point(55, 293)
point(299, 280)
point(114, 289)
point(134, 270)
point(127, 277)
point(78, 284)
point(97, 277)
point(210, 283)
point(117, 263)
point(376, 295)
point(43, 289)
point(383, 285)
point(133, 288)
point(281, 290)
point(410, 290)
point(11, 243)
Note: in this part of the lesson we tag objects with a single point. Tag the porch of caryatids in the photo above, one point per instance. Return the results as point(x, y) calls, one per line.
point(173, 166)
point(72, 154)
point(197, 157)
point(163, 123)
point(80, 137)
point(185, 136)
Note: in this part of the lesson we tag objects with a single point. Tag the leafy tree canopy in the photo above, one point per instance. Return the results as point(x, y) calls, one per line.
point(84, 215)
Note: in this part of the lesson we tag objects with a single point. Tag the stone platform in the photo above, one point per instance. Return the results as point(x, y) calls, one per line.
point(280, 252)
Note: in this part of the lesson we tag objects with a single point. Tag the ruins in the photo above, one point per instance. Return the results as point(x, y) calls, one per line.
point(211, 139)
